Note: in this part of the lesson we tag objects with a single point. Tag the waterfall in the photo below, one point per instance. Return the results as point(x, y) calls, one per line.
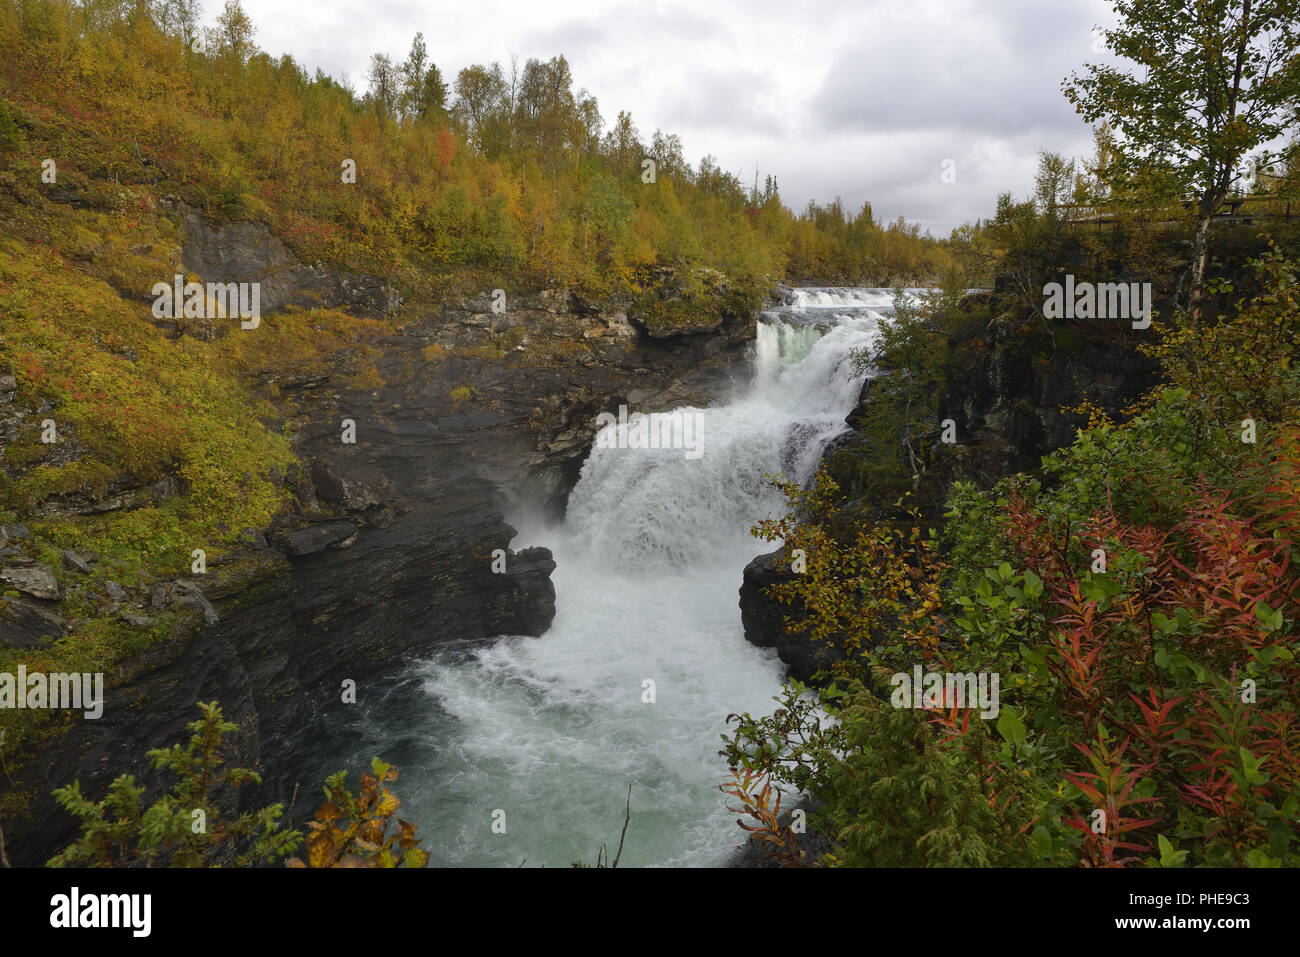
point(544, 735)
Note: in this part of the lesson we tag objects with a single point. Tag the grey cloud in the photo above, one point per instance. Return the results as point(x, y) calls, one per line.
point(737, 100)
point(994, 71)
point(571, 38)
point(654, 27)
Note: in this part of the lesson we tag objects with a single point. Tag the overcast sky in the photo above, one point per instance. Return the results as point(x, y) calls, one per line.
point(864, 100)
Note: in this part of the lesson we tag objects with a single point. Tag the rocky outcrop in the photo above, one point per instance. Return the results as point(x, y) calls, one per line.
point(1011, 395)
point(537, 373)
point(1011, 405)
point(250, 252)
point(183, 594)
point(29, 624)
point(678, 305)
point(246, 661)
point(764, 621)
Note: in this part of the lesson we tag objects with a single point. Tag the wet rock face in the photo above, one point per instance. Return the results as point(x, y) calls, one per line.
point(317, 538)
point(534, 377)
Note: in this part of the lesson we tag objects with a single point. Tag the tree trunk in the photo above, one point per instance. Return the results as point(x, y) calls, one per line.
point(1211, 202)
point(1213, 198)
point(1200, 258)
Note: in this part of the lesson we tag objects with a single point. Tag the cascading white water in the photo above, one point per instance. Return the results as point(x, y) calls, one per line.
point(543, 736)
point(655, 510)
point(830, 297)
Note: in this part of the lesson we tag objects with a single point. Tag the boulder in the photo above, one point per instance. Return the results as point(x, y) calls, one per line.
point(183, 594)
point(36, 580)
point(81, 561)
point(764, 621)
point(26, 624)
point(317, 538)
point(333, 487)
point(13, 533)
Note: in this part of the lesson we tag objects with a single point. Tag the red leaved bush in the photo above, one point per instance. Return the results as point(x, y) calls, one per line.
point(1186, 652)
point(1109, 786)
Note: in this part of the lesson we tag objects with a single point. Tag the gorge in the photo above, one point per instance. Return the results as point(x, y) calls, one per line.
point(646, 655)
point(386, 553)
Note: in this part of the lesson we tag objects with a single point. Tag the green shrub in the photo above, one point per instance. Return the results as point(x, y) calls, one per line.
point(185, 827)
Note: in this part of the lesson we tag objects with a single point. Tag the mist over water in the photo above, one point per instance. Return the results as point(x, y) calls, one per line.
point(552, 730)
